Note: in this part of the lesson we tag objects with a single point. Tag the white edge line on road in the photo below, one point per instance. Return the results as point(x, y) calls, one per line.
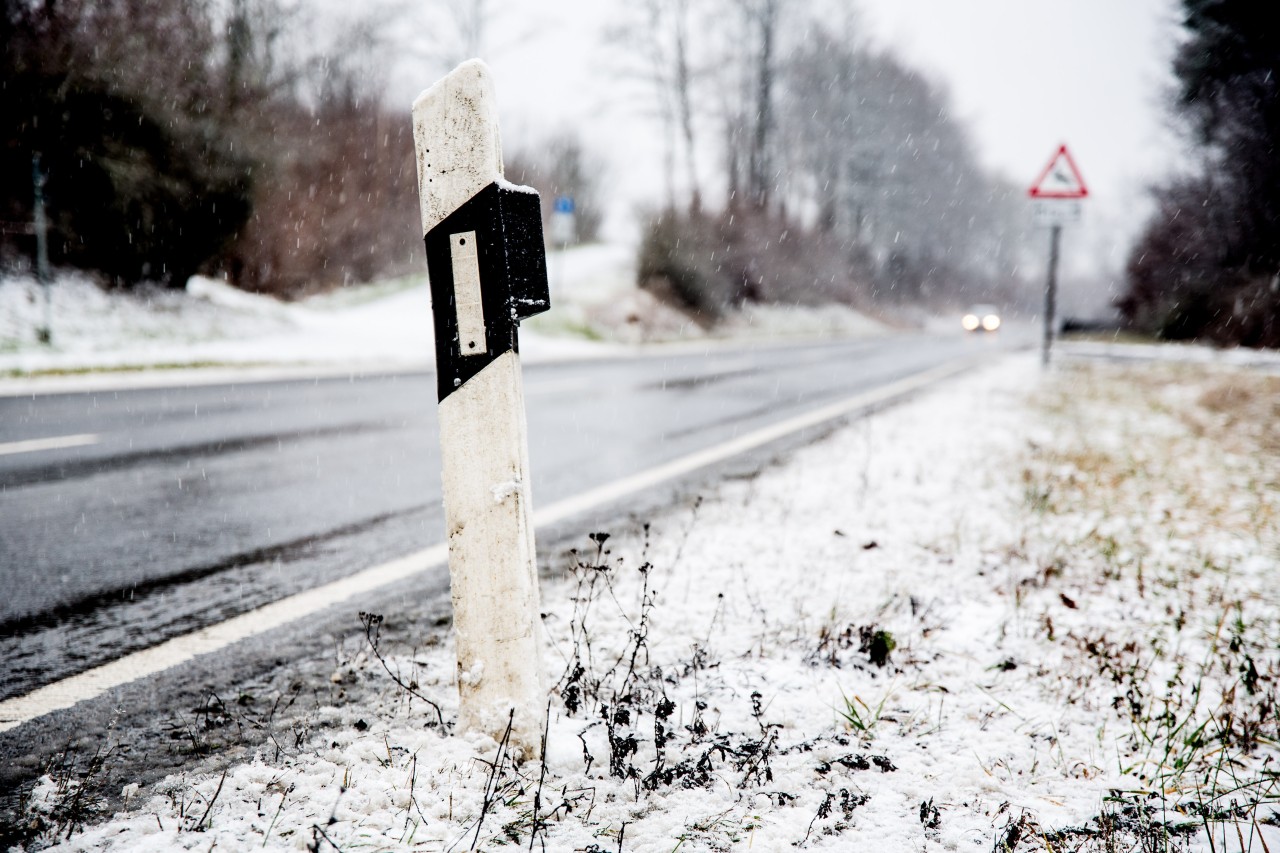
point(31, 445)
point(131, 667)
point(678, 467)
point(94, 682)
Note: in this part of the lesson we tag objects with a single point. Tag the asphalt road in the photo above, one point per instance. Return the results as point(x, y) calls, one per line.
point(165, 510)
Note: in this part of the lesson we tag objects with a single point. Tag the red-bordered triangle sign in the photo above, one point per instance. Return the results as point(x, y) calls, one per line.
point(1060, 179)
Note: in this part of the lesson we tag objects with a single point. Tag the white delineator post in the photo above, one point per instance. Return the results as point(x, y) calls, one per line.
point(487, 267)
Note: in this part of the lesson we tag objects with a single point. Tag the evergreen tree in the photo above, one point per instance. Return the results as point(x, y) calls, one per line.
point(1208, 265)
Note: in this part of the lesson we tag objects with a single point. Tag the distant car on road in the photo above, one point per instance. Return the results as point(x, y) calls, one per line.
point(981, 318)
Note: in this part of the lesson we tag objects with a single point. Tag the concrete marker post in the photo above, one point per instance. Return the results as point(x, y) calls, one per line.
point(487, 266)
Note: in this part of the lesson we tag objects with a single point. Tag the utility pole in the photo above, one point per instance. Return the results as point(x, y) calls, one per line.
point(43, 333)
point(487, 265)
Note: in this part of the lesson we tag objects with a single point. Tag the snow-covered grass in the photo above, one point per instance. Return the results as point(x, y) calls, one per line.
point(1020, 612)
point(210, 323)
point(1134, 348)
point(597, 308)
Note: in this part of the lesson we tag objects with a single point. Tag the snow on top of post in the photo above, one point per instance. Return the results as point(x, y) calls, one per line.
point(455, 135)
point(503, 183)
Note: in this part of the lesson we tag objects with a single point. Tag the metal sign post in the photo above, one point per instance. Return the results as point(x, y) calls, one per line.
point(563, 227)
point(1056, 195)
point(1050, 295)
point(44, 333)
point(487, 266)
point(563, 231)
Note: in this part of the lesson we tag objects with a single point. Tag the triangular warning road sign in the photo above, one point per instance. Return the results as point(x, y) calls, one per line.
point(1060, 179)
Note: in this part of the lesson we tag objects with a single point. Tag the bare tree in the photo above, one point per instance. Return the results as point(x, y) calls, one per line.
point(470, 23)
point(448, 31)
point(875, 155)
point(658, 52)
point(763, 18)
point(683, 92)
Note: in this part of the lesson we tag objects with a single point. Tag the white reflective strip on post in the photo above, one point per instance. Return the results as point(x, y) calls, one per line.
point(466, 292)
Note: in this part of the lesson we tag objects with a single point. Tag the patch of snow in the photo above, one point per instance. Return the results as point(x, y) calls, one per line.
point(787, 321)
point(503, 183)
point(472, 676)
point(596, 310)
point(502, 491)
point(1181, 352)
point(217, 292)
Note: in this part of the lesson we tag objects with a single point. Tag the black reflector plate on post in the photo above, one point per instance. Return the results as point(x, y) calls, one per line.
point(493, 240)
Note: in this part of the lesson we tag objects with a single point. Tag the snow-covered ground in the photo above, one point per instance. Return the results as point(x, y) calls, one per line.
point(597, 309)
point(1023, 612)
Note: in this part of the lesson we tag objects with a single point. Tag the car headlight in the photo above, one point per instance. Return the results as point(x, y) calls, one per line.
point(970, 322)
point(991, 322)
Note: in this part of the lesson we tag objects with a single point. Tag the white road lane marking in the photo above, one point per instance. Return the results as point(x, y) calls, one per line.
point(57, 442)
point(94, 682)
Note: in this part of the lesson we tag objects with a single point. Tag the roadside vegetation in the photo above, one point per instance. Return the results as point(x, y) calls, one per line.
point(239, 139)
point(840, 175)
point(1160, 503)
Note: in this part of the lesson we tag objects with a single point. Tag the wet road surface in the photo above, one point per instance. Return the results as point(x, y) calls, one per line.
point(129, 517)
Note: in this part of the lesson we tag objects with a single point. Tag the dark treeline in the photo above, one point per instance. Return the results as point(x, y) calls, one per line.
point(183, 136)
point(1208, 264)
point(805, 167)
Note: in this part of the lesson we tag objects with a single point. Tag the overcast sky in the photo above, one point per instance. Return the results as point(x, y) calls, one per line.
point(1029, 75)
point(1024, 75)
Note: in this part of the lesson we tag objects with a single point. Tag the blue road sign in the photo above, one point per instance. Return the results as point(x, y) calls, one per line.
point(564, 204)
